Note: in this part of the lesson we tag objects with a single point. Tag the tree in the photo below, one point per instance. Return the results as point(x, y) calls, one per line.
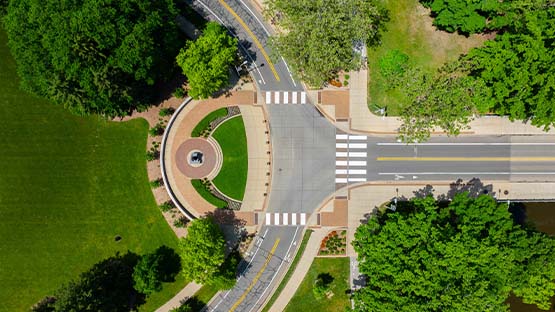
point(317, 36)
point(107, 286)
point(468, 16)
point(93, 56)
point(466, 256)
point(518, 68)
point(206, 60)
point(146, 274)
point(321, 288)
point(447, 100)
point(202, 250)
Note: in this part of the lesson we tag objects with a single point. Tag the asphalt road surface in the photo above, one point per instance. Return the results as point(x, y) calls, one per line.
point(311, 159)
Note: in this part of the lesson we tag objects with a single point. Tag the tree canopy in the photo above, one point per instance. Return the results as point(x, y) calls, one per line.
point(317, 37)
point(202, 250)
point(518, 67)
point(206, 60)
point(467, 16)
point(93, 56)
point(466, 256)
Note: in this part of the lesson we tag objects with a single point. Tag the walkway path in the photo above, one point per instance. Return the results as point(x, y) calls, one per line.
point(181, 297)
point(184, 123)
point(361, 120)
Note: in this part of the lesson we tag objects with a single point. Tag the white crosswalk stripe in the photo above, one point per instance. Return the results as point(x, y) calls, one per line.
point(284, 219)
point(350, 159)
point(286, 97)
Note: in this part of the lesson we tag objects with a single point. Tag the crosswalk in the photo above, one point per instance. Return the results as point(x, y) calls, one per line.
point(284, 218)
point(350, 158)
point(285, 97)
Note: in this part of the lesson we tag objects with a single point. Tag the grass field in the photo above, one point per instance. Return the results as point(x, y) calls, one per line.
point(410, 30)
point(68, 186)
point(304, 299)
point(205, 122)
point(232, 138)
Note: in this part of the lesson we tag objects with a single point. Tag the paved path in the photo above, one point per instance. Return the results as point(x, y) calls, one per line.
point(181, 297)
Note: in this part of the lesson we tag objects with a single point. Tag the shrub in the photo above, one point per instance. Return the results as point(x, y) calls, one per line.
point(180, 222)
point(146, 276)
point(166, 111)
point(179, 93)
point(153, 153)
point(167, 206)
point(321, 288)
point(156, 183)
point(183, 308)
point(158, 129)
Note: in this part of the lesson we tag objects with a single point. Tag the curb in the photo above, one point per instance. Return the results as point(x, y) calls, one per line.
point(173, 198)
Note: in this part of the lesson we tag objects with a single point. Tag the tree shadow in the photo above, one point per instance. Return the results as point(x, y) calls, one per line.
point(326, 278)
point(170, 263)
point(233, 227)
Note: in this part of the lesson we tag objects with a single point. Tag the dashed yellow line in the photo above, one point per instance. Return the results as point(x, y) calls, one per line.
point(251, 34)
point(470, 159)
point(255, 279)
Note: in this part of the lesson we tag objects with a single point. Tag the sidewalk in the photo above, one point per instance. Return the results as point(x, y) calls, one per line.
point(302, 268)
point(362, 120)
point(181, 297)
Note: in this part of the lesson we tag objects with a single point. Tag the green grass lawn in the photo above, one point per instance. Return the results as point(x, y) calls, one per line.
point(68, 186)
point(204, 193)
point(204, 124)
point(232, 138)
point(410, 30)
point(304, 299)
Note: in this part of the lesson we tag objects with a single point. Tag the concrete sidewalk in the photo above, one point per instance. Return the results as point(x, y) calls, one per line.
point(362, 120)
point(181, 297)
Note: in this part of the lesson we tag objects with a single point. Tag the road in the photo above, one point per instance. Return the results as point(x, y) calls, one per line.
point(311, 158)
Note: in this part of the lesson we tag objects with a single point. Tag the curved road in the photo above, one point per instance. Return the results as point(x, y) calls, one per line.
point(311, 159)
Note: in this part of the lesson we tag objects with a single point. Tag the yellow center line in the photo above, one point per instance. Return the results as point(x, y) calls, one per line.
point(255, 279)
point(251, 34)
point(492, 159)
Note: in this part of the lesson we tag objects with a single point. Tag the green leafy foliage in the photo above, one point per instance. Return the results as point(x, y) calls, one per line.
point(107, 286)
point(154, 268)
point(166, 111)
point(317, 36)
point(202, 250)
point(467, 256)
point(93, 56)
point(467, 16)
point(145, 275)
point(518, 68)
point(227, 273)
point(393, 66)
point(446, 100)
point(321, 287)
point(206, 60)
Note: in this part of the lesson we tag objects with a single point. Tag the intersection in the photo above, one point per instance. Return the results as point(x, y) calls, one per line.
point(312, 159)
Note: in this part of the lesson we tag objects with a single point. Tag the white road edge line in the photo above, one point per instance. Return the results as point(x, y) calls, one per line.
point(256, 18)
point(277, 271)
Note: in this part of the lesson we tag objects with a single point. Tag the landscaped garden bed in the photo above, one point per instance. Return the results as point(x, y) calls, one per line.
point(203, 128)
point(334, 244)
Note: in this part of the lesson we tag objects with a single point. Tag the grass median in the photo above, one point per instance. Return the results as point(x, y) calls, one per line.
point(68, 186)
